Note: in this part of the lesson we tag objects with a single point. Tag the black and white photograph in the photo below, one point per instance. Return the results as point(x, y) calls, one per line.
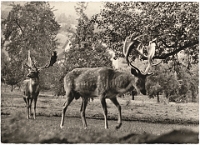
point(100, 72)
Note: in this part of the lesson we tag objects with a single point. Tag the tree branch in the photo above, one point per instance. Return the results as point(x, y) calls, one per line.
point(164, 56)
point(172, 46)
point(19, 27)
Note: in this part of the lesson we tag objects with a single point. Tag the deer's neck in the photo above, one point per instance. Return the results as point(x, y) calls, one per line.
point(123, 82)
point(34, 81)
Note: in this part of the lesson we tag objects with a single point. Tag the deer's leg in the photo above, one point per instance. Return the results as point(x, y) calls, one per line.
point(83, 107)
point(27, 106)
point(34, 107)
point(25, 100)
point(114, 100)
point(30, 105)
point(70, 98)
point(105, 112)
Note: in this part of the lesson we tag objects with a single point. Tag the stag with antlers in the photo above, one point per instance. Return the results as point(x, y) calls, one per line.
point(105, 83)
point(131, 44)
point(30, 86)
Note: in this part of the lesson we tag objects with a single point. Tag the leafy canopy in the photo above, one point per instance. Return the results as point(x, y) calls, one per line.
point(174, 24)
point(30, 27)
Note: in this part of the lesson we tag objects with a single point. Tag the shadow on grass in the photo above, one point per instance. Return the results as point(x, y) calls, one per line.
point(175, 136)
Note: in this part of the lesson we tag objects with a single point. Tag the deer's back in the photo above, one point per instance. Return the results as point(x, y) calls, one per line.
point(82, 80)
point(94, 81)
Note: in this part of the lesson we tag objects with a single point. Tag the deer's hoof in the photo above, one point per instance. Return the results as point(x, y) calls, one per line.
point(118, 126)
point(61, 126)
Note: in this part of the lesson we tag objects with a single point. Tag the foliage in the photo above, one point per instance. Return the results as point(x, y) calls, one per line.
point(85, 55)
point(4, 64)
point(189, 83)
point(12, 73)
point(66, 23)
point(29, 27)
point(175, 85)
point(80, 57)
point(85, 27)
point(174, 24)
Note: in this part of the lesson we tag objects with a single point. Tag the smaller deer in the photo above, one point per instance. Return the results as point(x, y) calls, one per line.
point(30, 86)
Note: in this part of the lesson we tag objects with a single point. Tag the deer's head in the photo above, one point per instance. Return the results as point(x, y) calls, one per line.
point(140, 79)
point(33, 70)
point(33, 74)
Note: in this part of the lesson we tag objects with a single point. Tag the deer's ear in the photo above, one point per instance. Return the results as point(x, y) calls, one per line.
point(134, 72)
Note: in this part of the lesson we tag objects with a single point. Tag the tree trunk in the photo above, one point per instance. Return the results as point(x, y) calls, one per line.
point(133, 95)
point(158, 98)
point(193, 97)
point(11, 88)
point(5, 87)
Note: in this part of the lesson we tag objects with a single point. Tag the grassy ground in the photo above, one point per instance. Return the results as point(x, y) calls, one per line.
point(141, 109)
point(139, 116)
point(17, 129)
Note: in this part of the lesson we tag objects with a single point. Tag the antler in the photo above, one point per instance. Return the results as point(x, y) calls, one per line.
point(51, 62)
point(151, 52)
point(134, 44)
point(30, 64)
point(151, 64)
point(135, 68)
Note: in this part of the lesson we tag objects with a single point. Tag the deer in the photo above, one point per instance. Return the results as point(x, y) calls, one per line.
point(31, 87)
point(103, 83)
point(135, 45)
